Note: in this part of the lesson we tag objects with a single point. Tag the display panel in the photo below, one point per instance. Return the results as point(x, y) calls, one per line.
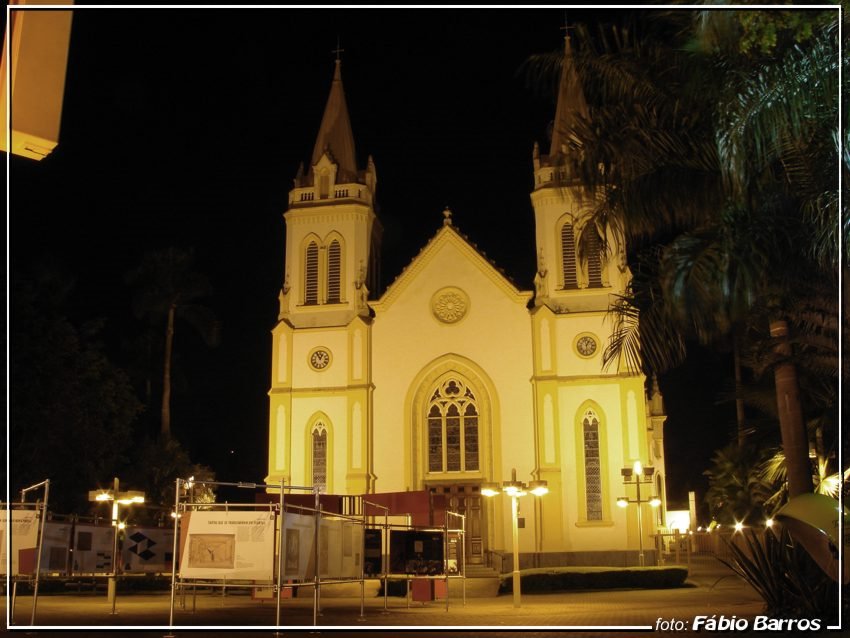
point(228, 544)
point(417, 552)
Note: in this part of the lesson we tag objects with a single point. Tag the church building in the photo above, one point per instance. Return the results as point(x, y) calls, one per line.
point(453, 377)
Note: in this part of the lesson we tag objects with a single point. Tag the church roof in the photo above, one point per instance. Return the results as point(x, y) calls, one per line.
point(335, 133)
point(449, 232)
point(571, 103)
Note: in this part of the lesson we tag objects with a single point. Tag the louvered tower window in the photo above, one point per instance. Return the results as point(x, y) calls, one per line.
point(568, 256)
point(320, 456)
point(334, 271)
point(594, 261)
point(453, 429)
point(311, 275)
point(592, 469)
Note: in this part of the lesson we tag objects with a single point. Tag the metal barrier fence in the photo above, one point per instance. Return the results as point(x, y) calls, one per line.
point(680, 547)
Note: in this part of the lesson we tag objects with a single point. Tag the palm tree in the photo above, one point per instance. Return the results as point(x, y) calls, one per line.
point(778, 143)
point(708, 180)
point(167, 288)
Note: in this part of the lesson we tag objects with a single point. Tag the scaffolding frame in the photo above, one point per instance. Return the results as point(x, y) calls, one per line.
point(40, 509)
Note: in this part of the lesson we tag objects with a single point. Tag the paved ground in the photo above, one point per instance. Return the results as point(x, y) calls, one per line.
point(711, 590)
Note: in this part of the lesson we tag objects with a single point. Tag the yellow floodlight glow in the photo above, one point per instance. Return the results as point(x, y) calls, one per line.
point(103, 496)
point(654, 502)
point(539, 488)
point(622, 502)
point(638, 468)
point(490, 489)
point(512, 489)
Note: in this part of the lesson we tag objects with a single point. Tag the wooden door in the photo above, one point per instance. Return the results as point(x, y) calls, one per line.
point(466, 499)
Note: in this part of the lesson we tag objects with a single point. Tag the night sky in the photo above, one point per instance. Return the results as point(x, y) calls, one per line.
point(186, 128)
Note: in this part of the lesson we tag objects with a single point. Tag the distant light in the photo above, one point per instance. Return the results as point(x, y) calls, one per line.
point(622, 502)
point(738, 527)
point(638, 468)
point(768, 522)
point(121, 526)
point(654, 502)
point(103, 496)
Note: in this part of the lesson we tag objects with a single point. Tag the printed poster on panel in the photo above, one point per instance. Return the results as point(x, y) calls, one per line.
point(299, 556)
point(228, 544)
point(340, 548)
point(23, 538)
point(93, 549)
point(147, 550)
point(55, 546)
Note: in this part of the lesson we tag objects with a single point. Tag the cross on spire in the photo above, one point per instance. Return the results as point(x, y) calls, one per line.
point(566, 28)
point(338, 50)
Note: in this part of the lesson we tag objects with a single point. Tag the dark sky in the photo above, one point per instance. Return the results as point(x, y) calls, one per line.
point(186, 127)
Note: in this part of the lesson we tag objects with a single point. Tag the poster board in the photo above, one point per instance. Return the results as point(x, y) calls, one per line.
point(92, 549)
point(147, 550)
point(220, 544)
point(298, 542)
point(22, 529)
point(55, 546)
point(373, 549)
point(417, 552)
point(340, 548)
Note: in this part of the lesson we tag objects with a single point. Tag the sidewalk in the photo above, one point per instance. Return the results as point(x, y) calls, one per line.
point(711, 589)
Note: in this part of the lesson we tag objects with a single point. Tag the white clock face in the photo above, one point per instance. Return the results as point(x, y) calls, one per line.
point(320, 359)
point(586, 346)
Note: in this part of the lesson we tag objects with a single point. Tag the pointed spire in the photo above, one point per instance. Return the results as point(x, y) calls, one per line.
point(571, 102)
point(335, 134)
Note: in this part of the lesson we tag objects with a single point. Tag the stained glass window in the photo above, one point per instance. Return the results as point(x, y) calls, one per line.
point(320, 456)
point(592, 468)
point(453, 429)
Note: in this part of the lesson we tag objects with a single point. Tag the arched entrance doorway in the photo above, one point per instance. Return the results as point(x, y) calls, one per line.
point(451, 436)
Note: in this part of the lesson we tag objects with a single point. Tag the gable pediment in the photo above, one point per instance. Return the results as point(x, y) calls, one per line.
point(445, 261)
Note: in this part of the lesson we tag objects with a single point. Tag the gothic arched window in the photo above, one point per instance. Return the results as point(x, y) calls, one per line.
point(334, 271)
point(452, 429)
point(594, 261)
point(592, 468)
point(319, 435)
point(311, 274)
point(568, 256)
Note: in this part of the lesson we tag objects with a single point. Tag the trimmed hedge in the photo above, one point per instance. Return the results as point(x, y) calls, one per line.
point(573, 578)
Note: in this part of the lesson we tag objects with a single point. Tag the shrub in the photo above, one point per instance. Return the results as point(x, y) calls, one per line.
point(784, 575)
point(574, 578)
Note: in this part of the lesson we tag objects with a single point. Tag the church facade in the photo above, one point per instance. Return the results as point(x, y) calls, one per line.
point(453, 377)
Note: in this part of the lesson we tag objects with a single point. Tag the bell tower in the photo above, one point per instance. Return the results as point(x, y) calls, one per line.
point(332, 232)
point(577, 268)
point(320, 418)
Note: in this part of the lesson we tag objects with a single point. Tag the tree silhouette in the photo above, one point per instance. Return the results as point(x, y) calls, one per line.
point(168, 287)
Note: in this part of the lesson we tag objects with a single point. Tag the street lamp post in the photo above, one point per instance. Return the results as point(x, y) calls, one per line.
point(515, 489)
point(117, 498)
point(637, 475)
